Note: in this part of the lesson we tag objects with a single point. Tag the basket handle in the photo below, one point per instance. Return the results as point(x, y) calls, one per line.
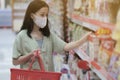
point(39, 61)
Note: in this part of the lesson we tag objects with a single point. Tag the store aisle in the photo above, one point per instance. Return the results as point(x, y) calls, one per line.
point(6, 42)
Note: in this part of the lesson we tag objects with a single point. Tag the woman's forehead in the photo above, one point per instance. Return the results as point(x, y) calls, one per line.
point(43, 10)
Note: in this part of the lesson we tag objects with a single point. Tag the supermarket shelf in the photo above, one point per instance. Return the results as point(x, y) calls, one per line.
point(95, 67)
point(91, 23)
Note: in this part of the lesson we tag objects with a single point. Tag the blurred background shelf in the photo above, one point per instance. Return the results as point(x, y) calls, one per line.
point(5, 18)
point(91, 23)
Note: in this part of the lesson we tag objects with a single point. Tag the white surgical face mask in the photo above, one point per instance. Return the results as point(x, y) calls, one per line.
point(40, 21)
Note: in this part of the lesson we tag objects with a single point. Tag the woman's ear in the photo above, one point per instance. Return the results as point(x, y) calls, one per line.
point(32, 15)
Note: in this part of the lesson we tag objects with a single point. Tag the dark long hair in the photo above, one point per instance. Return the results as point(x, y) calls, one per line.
point(28, 23)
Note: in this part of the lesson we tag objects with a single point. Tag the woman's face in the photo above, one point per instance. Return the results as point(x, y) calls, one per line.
point(40, 17)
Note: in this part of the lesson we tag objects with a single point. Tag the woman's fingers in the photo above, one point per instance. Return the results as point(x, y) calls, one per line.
point(89, 33)
point(36, 52)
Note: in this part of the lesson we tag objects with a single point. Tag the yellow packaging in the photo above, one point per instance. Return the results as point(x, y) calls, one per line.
point(116, 34)
point(113, 6)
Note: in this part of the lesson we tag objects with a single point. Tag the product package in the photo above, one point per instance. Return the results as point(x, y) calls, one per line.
point(94, 44)
point(114, 66)
point(106, 51)
point(92, 9)
point(113, 7)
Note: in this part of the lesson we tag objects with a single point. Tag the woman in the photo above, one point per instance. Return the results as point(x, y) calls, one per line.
point(35, 35)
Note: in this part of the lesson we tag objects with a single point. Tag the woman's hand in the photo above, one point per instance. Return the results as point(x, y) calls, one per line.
point(35, 52)
point(85, 37)
point(75, 44)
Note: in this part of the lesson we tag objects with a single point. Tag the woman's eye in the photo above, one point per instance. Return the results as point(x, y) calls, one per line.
point(42, 15)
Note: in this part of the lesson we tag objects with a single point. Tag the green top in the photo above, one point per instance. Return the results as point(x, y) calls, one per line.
point(24, 45)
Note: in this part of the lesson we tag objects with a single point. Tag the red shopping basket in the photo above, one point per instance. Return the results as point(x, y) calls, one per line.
point(22, 74)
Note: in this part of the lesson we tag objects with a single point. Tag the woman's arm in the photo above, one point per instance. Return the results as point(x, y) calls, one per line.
point(75, 44)
point(25, 58)
point(22, 59)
